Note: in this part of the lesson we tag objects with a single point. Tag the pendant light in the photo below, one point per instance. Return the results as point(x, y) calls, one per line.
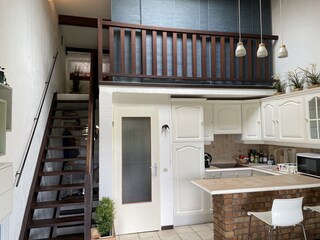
point(240, 50)
point(283, 52)
point(262, 51)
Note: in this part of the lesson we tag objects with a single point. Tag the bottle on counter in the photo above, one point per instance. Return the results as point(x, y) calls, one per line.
point(256, 158)
point(260, 157)
point(251, 157)
point(265, 159)
point(271, 160)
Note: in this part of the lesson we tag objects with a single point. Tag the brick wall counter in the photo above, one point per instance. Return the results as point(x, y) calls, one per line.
point(231, 221)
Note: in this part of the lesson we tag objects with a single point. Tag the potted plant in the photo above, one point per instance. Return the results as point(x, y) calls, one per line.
point(278, 84)
point(312, 75)
point(104, 218)
point(296, 80)
point(75, 77)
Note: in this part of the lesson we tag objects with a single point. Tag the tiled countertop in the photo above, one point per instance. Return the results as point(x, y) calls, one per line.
point(256, 184)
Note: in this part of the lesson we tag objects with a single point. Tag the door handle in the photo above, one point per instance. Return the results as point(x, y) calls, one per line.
point(155, 167)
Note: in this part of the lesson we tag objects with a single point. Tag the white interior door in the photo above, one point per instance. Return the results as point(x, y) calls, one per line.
point(136, 171)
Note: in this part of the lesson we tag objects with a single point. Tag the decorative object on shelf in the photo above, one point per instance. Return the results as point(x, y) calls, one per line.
point(283, 52)
point(312, 75)
point(296, 79)
point(262, 51)
point(75, 77)
point(240, 50)
point(3, 77)
point(104, 218)
point(278, 84)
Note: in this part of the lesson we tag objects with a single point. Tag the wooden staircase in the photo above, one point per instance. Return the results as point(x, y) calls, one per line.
point(56, 206)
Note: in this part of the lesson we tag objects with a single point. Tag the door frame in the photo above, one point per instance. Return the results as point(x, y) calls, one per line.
point(118, 113)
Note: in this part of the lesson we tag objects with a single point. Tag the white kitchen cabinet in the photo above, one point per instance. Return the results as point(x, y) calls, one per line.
point(312, 113)
point(3, 118)
point(190, 202)
point(251, 121)
point(268, 113)
point(6, 180)
point(283, 119)
point(290, 119)
point(187, 122)
point(6, 95)
point(208, 123)
point(227, 118)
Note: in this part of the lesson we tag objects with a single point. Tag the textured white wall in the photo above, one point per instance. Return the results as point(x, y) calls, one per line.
point(109, 100)
point(300, 29)
point(29, 39)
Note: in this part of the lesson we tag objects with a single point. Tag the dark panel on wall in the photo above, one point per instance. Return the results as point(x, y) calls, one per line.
point(187, 14)
point(204, 14)
point(223, 15)
point(158, 12)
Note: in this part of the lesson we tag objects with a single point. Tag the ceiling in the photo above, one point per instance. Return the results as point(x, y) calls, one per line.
point(82, 37)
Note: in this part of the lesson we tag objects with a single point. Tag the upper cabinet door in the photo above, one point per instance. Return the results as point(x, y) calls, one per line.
point(251, 121)
point(290, 119)
point(187, 122)
point(227, 118)
point(268, 120)
point(312, 108)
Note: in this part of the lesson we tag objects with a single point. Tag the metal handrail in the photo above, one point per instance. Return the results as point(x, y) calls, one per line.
point(35, 123)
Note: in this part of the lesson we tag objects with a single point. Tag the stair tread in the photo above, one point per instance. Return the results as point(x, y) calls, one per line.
point(59, 203)
point(70, 136)
point(68, 126)
point(71, 108)
point(70, 117)
point(66, 237)
point(67, 147)
point(72, 101)
point(63, 159)
point(63, 221)
point(59, 187)
point(65, 172)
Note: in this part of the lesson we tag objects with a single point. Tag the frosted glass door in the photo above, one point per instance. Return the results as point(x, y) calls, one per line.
point(136, 160)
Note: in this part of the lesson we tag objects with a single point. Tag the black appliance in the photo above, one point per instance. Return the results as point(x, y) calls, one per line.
point(309, 164)
point(207, 160)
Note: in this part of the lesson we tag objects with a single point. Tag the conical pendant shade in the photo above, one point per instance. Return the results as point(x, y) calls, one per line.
point(240, 50)
point(283, 52)
point(262, 51)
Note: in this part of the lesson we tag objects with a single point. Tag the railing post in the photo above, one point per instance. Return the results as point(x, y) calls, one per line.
point(100, 50)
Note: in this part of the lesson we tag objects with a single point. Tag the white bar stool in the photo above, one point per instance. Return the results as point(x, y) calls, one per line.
point(284, 213)
point(312, 208)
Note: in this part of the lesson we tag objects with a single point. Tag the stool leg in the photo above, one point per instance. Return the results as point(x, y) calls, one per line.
point(249, 233)
point(269, 233)
point(304, 231)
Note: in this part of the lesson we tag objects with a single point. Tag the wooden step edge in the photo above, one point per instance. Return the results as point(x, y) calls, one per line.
point(59, 203)
point(63, 221)
point(63, 159)
point(79, 236)
point(66, 172)
point(71, 136)
point(71, 109)
point(65, 148)
point(70, 117)
point(72, 101)
point(77, 127)
point(58, 187)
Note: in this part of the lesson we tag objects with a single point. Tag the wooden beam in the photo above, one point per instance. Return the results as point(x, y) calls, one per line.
point(79, 21)
point(84, 50)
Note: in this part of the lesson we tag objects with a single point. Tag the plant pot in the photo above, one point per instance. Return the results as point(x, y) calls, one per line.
point(315, 85)
point(96, 235)
point(297, 89)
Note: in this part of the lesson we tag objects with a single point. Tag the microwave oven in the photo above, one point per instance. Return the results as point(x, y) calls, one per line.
point(309, 164)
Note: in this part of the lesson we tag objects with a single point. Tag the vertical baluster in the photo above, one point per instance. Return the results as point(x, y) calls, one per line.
point(204, 56)
point(100, 48)
point(154, 53)
point(122, 51)
point(111, 50)
point(249, 57)
point(267, 59)
point(144, 52)
point(133, 51)
point(184, 54)
point(241, 75)
point(232, 58)
point(194, 55)
point(258, 65)
point(223, 58)
point(174, 54)
point(164, 54)
point(213, 58)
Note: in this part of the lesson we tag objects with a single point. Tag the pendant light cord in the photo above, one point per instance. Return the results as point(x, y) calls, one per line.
point(281, 28)
point(260, 22)
point(239, 13)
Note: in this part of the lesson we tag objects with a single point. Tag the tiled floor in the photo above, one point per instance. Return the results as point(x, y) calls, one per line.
point(193, 232)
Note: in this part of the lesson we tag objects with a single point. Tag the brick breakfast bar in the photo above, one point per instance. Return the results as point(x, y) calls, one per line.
point(234, 197)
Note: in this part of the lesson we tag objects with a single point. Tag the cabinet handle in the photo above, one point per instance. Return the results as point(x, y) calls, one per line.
point(277, 121)
point(258, 122)
point(307, 120)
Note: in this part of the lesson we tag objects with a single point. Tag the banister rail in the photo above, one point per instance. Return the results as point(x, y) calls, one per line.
point(149, 52)
point(89, 162)
point(35, 123)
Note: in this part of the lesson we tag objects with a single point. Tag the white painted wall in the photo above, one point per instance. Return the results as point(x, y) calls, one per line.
point(29, 39)
point(300, 31)
point(109, 100)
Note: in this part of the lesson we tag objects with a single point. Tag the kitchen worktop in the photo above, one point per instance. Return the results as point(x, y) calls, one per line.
point(256, 184)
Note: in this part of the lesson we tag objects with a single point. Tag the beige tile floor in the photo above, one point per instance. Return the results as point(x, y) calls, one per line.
point(192, 232)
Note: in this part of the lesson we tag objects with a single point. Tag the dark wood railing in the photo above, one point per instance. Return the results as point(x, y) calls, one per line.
point(148, 52)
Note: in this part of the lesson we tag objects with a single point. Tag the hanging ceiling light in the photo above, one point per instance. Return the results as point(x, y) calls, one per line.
point(283, 52)
point(262, 51)
point(240, 50)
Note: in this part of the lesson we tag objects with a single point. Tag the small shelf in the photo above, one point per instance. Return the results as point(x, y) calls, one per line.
point(6, 95)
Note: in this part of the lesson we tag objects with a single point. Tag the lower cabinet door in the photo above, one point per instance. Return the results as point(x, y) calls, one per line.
point(191, 205)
